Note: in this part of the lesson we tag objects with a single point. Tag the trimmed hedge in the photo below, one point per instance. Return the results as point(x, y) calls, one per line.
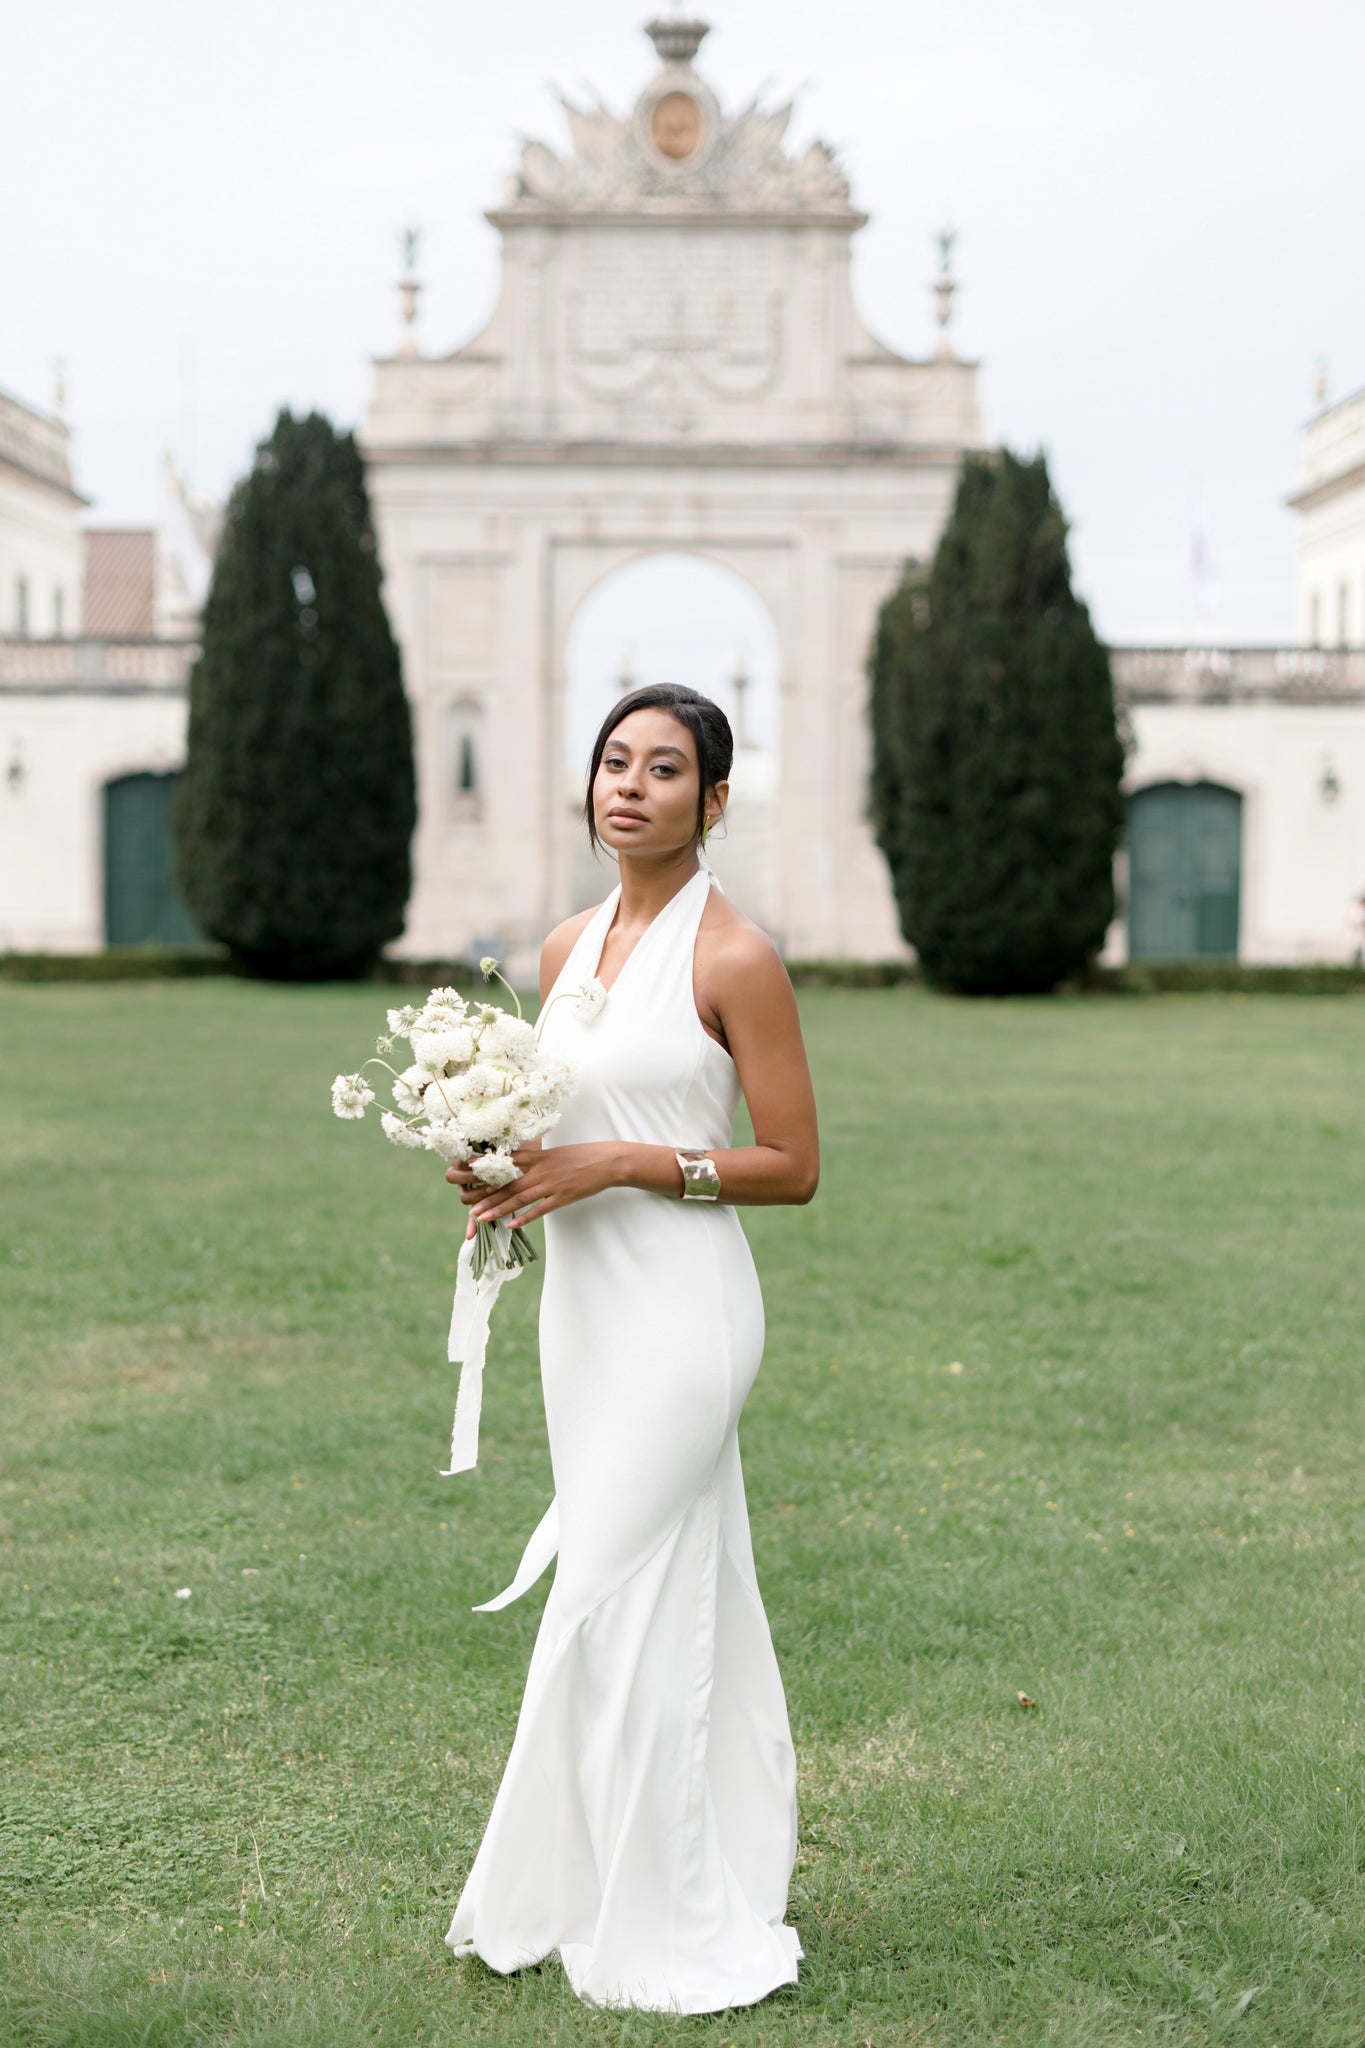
point(1140, 978)
point(122, 963)
point(1174, 977)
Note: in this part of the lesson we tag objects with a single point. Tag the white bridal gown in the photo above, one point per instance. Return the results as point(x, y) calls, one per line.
point(645, 1826)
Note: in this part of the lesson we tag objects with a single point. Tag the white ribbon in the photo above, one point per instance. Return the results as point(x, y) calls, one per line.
point(469, 1319)
point(542, 1547)
point(468, 1346)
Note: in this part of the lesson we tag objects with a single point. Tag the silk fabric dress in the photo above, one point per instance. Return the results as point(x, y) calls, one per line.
point(645, 1827)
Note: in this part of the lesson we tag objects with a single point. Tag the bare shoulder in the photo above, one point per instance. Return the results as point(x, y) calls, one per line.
point(561, 942)
point(731, 948)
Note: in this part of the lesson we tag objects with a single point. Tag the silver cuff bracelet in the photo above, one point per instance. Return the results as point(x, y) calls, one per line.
point(701, 1181)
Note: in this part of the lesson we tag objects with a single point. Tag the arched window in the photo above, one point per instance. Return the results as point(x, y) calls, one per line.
point(464, 722)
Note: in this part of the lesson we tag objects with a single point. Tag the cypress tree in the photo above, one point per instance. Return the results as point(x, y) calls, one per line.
point(997, 763)
point(295, 812)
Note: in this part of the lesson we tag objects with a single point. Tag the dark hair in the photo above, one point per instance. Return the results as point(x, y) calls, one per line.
point(707, 723)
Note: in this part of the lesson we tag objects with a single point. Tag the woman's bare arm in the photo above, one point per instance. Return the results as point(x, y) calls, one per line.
point(743, 991)
point(742, 987)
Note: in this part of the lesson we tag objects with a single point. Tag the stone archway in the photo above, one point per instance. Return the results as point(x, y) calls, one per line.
point(678, 617)
point(675, 364)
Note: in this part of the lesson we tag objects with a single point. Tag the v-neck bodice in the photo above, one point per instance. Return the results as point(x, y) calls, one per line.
point(646, 1069)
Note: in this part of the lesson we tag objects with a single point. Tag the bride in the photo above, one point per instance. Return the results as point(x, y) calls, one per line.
point(645, 1826)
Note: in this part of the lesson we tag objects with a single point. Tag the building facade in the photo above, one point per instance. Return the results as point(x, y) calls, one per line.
point(40, 533)
point(1246, 803)
point(675, 364)
point(1330, 502)
point(92, 720)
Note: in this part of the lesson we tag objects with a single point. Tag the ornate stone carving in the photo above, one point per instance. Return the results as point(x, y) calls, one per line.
point(678, 152)
point(640, 321)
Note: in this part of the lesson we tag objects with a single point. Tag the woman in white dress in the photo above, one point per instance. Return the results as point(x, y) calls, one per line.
point(645, 1826)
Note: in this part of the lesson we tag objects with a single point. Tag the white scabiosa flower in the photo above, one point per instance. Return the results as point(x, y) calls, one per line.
point(402, 1021)
point(591, 998)
point(350, 1094)
point(444, 1002)
point(441, 1099)
point(533, 1123)
point(488, 1123)
point(495, 1169)
point(544, 1083)
point(407, 1091)
point(440, 1052)
point(448, 1142)
point(399, 1133)
point(480, 1083)
point(506, 1038)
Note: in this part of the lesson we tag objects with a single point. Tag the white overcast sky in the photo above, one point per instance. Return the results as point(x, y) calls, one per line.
point(1159, 204)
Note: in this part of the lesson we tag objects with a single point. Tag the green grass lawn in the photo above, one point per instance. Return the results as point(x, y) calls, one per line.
point(1063, 1395)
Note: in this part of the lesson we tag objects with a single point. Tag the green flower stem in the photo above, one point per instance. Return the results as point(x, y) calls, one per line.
point(518, 1249)
point(375, 1061)
point(563, 993)
point(496, 974)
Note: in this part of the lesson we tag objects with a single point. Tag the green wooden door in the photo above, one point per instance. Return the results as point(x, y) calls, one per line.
point(142, 906)
point(1184, 872)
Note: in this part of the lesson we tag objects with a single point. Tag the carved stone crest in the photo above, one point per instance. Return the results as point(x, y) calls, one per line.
point(678, 151)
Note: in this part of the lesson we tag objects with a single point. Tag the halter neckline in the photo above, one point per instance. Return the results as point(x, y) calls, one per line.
point(608, 914)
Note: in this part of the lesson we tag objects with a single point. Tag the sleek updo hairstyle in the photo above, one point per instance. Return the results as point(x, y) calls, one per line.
point(707, 723)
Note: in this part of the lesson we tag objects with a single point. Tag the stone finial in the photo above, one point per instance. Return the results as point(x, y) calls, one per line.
point(676, 38)
point(409, 291)
point(739, 683)
point(945, 285)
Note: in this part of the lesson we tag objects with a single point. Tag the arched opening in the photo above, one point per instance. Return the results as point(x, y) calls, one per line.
point(681, 618)
point(142, 905)
point(1184, 871)
point(672, 618)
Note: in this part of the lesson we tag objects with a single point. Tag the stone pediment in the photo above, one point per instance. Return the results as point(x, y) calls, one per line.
point(678, 152)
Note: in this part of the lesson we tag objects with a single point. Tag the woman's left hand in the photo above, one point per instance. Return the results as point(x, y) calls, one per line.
point(549, 1180)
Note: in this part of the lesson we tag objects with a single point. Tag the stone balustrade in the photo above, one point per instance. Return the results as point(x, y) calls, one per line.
point(1239, 675)
point(95, 667)
point(1142, 675)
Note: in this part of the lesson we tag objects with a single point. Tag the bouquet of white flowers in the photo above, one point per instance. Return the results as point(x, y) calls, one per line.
point(478, 1087)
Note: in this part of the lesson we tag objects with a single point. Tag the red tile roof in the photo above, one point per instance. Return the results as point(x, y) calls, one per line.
point(120, 578)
